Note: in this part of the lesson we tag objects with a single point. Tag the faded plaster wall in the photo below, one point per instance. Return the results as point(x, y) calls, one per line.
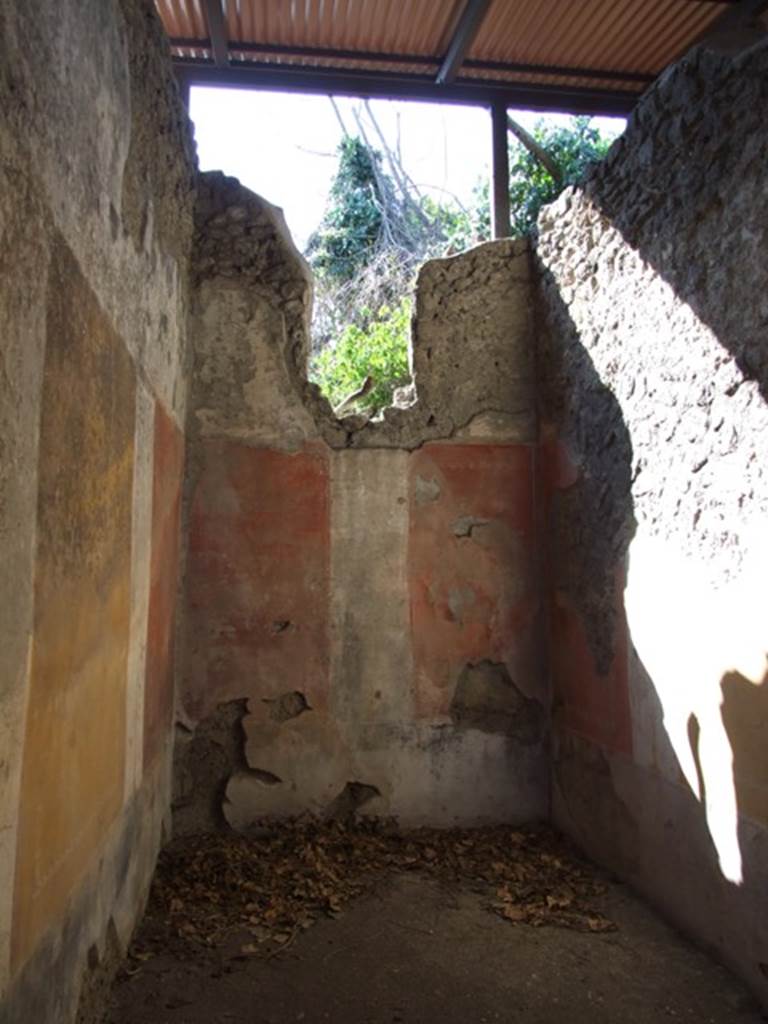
point(653, 364)
point(362, 624)
point(96, 174)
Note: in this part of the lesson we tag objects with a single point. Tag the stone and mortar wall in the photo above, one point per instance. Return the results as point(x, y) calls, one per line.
point(362, 625)
point(363, 620)
point(96, 178)
point(653, 366)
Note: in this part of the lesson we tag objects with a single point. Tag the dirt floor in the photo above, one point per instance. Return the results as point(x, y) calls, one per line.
point(321, 924)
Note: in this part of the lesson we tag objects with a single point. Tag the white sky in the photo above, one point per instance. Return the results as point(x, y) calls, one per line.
point(282, 146)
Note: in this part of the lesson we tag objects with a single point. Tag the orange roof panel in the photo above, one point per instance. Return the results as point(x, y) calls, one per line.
point(600, 47)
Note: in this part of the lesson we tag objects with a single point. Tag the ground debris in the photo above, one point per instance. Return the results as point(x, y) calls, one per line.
point(275, 883)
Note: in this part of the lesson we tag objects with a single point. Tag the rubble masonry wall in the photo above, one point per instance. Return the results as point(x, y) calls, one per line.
point(652, 313)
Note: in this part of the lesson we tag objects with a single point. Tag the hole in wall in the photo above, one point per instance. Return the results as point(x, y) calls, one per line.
point(287, 706)
point(353, 796)
point(487, 699)
point(465, 526)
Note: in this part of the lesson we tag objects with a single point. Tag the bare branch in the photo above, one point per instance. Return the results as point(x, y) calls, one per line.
point(339, 118)
point(398, 171)
point(316, 152)
point(446, 192)
point(538, 152)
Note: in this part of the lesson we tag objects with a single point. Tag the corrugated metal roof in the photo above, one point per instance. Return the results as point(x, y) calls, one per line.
point(183, 19)
point(631, 35)
point(392, 26)
point(565, 53)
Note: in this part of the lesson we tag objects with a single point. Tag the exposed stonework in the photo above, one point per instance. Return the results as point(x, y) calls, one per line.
point(250, 383)
point(203, 760)
point(158, 177)
point(472, 312)
point(473, 375)
point(654, 381)
point(486, 698)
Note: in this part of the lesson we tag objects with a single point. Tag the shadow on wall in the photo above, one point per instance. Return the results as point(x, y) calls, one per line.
point(745, 717)
point(624, 768)
point(701, 226)
point(654, 378)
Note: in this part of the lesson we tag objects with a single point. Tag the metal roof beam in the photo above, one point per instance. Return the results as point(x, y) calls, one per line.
point(317, 52)
point(466, 31)
point(217, 29)
point(417, 59)
point(500, 210)
point(389, 85)
point(635, 77)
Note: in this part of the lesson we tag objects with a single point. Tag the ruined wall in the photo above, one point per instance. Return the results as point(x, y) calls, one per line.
point(362, 620)
point(95, 223)
point(654, 377)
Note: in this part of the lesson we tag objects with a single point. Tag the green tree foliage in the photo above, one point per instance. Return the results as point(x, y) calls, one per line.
point(573, 147)
point(378, 229)
point(349, 232)
point(380, 350)
point(460, 227)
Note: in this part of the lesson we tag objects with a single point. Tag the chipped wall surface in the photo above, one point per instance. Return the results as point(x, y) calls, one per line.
point(96, 172)
point(473, 580)
point(346, 577)
point(654, 378)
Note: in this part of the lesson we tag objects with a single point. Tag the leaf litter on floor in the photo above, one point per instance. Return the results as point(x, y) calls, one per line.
point(275, 883)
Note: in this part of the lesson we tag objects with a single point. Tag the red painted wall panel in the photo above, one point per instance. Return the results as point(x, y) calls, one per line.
point(591, 704)
point(594, 705)
point(258, 576)
point(472, 559)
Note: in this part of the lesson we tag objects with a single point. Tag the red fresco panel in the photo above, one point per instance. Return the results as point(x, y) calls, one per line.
point(594, 705)
point(258, 576)
point(167, 477)
point(472, 587)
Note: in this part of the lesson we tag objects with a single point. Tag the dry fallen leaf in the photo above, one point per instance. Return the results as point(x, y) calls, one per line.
point(510, 912)
point(278, 881)
point(600, 924)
